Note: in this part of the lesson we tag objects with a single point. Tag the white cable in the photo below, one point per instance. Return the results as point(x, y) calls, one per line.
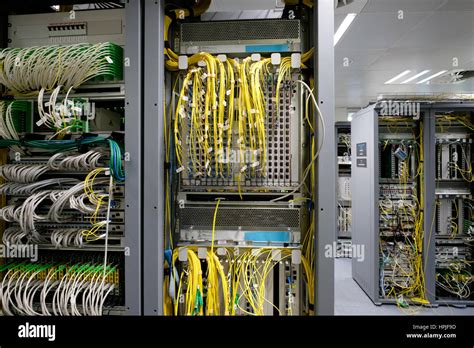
point(316, 155)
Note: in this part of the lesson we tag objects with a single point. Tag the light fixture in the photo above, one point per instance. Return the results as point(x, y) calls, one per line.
point(344, 26)
point(349, 116)
point(416, 76)
point(432, 76)
point(55, 7)
point(406, 72)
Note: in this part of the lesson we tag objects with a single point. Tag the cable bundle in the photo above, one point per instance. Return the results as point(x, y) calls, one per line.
point(64, 115)
point(221, 107)
point(19, 189)
point(25, 213)
point(11, 114)
point(455, 281)
point(232, 281)
point(28, 173)
point(53, 145)
point(63, 289)
point(66, 237)
point(22, 173)
point(86, 161)
point(116, 159)
point(26, 70)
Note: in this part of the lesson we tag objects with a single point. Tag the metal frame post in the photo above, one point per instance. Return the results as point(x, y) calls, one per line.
point(325, 176)
point(133, 150)
point(154, 155)
point(429, 240)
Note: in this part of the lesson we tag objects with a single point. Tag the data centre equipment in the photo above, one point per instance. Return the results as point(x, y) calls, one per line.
point(413, 171)
point(64, 200)
point(344, 191)
point(240, 153)
point(454, 219)
point(387, 187)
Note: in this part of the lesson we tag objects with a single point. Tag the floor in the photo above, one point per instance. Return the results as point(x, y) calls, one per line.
point(350, 299)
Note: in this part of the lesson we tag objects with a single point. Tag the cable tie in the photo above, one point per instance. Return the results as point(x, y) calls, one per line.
point(243, 169)
point(228, 91)
point(255, 164)
point(180, 169)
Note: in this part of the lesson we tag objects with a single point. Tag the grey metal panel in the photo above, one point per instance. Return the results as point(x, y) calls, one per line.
point(364, 129)
point(429, 170)
point(326, 173)
point(154, 154)
point(133, 136)
point(233, 36)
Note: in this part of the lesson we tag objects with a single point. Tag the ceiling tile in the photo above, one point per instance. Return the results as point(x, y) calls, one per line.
point(378, 30)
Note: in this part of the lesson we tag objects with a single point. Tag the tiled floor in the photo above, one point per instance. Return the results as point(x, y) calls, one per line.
point(350, 299)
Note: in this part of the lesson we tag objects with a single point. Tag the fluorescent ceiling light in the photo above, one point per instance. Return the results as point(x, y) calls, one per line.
point(432, 76)
point(397, 77)
point(416, 76)
point(344, 26)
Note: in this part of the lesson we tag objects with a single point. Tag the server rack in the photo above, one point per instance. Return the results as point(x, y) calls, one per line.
point(430, 187)
point(154, 158)
point(122, 25)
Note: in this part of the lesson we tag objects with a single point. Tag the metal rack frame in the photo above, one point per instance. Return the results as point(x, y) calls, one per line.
point(366, 196)
point(133, 144)
point(153, 175)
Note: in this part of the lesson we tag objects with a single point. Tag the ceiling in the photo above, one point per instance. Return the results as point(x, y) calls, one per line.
point(379, 46)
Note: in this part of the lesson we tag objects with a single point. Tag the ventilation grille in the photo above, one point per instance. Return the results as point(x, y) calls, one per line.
point(240, 30)
point(244, 217)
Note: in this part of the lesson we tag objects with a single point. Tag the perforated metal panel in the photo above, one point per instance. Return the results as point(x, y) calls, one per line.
point(240, 36)
point(244, 217)
point(240, 30)
point(283, 150)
